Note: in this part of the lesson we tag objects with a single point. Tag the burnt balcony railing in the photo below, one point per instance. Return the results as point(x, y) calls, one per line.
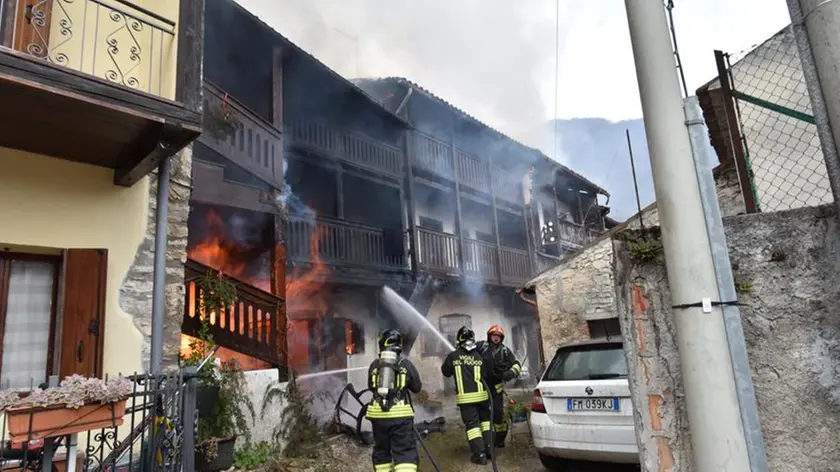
point(432, 155)
point(346, 145)
point(515, 265)
point(339, 242)
point(480, 259)
point(437, 252)
point(574, 235)
point(242, 136)
point(255, 325)
point(114, 40)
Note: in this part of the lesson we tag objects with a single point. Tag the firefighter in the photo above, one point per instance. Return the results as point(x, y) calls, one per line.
point(467, 365)
point(391, 415)
point(502, 367)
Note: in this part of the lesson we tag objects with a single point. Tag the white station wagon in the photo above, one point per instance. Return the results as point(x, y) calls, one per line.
point(581, 409)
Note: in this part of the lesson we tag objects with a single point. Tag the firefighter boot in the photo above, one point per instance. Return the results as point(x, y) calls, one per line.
point(480, 459)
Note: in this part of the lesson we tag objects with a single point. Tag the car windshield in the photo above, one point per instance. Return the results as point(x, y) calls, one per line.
point(604, 361)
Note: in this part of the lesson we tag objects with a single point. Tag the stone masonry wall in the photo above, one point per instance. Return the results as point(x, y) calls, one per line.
point(787, 267)
point(136, 291)
point(581, 287)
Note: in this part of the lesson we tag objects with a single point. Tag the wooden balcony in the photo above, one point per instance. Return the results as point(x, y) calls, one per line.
point(255, 325)
point(94, 81)
point(516, 267)
point(573, 235)
point(438, 253)
point(432, 155)
point(435, 156)
point(241, 136)
point(347, 146)
point(344, 243)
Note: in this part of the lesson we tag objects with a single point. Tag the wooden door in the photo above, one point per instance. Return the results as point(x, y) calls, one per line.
point(83, 312)
point(32, 20)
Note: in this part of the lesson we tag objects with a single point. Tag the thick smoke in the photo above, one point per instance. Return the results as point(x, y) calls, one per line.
point(443, 45)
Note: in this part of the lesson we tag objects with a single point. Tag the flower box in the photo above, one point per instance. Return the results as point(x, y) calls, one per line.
point(58, 420)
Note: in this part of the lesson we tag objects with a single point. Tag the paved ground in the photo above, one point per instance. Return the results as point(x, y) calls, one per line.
point(450, 451)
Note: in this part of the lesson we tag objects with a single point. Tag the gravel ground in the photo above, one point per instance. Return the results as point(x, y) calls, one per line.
point(450, 451)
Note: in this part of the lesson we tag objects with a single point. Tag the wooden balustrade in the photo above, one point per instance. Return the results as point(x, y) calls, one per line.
point(515, 265)
point(255, 325)
point(432, 154)
point(437, 252)
point(574, 235)
point(340, 242)
point(346, 145)
point(480, 259)
point(242, 136)
point(472, 171)
point(506, 186)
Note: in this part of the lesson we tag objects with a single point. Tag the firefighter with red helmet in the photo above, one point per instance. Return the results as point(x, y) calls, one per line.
point(391, 415)
point(467, 366)
point(502, 367)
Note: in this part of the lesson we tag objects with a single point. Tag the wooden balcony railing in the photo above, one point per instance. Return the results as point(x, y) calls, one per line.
point(506, 186)
point(346, 145)
point(341, 242)
point(114, 40)
point(480, 259)
point(574, 235)
point(251, 142)
point(437, 252)
point(515, 265)
point(432, 155)
point(472, 171)
point(255, 325)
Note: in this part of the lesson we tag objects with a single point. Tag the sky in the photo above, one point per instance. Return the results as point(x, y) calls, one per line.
point(496, 58)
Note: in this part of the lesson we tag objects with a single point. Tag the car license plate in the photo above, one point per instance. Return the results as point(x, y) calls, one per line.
point(592, 404)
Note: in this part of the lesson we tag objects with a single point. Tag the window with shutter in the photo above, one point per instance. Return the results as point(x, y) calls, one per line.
point(28, 287)
point(83, 312)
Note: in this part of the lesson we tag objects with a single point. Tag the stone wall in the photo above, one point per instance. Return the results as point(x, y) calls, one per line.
point(787, 267)
point(136, 291)
point(581, 287)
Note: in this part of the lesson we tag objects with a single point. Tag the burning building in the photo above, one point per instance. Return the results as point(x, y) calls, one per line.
point(315, 192)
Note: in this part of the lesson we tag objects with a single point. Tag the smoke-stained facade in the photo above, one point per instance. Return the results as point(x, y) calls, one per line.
point(324, 191)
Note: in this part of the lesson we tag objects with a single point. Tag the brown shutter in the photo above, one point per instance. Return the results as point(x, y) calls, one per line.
point(32, 27)
point(83, 312)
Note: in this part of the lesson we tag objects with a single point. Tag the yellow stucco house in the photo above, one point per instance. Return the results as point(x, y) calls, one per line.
point(94, 96)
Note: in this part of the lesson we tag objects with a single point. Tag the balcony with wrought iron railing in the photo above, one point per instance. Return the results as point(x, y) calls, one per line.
point(96, 81)
point(348, 146)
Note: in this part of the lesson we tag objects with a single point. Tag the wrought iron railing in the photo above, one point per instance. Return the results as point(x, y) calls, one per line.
point(114, 40)
point(167, 401)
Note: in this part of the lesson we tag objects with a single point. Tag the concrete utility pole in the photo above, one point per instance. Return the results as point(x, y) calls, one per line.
point(815, 25)
point(717, 433)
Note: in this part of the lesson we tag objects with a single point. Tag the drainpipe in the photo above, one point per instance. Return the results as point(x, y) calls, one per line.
point(717, 434)
point(159, 287)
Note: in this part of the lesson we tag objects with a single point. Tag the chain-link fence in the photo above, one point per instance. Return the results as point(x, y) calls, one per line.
point(780, 143)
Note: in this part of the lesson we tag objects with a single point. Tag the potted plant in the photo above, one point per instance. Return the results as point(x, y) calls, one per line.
point(220, 121)
point(214, 291)
point(78, 404)
point(217, 433)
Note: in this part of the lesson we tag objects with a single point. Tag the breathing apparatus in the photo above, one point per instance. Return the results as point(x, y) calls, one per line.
point(390, 348)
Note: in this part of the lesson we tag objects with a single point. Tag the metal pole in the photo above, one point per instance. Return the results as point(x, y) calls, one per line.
point(635, 181)
point(815, 24)
point(158, 290)
point(717, 434)
point(704, 160)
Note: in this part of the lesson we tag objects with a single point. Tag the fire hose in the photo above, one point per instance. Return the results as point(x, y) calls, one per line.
point(492, 429)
